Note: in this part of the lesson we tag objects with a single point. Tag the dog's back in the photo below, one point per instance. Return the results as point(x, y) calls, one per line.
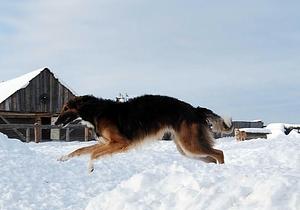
point(149, 113)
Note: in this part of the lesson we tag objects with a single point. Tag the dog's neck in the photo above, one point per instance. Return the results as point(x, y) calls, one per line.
point(90, 112)
point(88, 124)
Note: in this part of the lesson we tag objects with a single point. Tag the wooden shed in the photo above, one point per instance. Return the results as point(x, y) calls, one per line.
point(242, 134)
point(36, 97)
point(237, 124)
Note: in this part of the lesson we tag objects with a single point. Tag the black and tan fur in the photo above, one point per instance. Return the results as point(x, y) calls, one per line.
point(122, 126)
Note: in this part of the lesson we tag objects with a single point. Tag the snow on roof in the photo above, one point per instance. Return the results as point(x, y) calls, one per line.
point(258, 120)
point(281, 126)
point(9, 87)
point(256, 130)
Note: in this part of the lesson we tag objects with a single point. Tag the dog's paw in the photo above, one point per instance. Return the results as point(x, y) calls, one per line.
point(63, 158)
point(90, 167)
point(90, 170)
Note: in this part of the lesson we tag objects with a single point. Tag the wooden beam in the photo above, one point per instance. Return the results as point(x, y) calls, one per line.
point(27, 114)
point(27, 135)
point(38, 127)
point(24, 126)
point(68, 134)
point(86, 134)
point(14, 129)
point(37, 132)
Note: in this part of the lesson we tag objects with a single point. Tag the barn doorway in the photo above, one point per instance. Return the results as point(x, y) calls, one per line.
point(46, 132)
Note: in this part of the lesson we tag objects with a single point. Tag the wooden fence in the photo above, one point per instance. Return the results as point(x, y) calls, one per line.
point(37, 130)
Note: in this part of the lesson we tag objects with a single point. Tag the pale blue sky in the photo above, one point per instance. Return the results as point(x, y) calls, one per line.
point(239, 58)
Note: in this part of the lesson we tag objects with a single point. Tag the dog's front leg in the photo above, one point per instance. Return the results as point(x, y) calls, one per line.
point(108, 149)
point(80, 151)
point(91, 166)
point(63, 158)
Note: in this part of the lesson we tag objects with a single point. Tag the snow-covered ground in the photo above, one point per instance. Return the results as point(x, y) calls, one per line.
point(257, 174)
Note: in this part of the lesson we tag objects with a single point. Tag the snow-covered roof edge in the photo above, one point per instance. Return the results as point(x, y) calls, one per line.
point(9, 87)
point(256, 130)
point(257, 120)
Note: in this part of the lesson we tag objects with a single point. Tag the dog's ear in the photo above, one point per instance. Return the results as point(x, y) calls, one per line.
point(72, 103)
point(79, 101)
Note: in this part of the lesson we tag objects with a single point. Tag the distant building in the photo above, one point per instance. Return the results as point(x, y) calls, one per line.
point(36, 97)
point(242, 134)
point(248, 124)
point(237, 124)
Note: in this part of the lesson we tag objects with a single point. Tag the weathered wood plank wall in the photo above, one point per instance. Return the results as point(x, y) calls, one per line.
point(44, 93)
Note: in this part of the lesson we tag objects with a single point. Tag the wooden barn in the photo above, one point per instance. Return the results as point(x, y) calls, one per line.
point(248, 124)
point(34, 98)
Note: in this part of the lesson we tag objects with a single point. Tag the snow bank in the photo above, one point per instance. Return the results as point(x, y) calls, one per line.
point(257, 174)
point(278, 129)
point(171, 187)
point(11, 146)
point(31, 180)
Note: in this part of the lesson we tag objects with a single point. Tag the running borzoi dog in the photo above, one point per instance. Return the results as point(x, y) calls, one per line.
point(122, 126)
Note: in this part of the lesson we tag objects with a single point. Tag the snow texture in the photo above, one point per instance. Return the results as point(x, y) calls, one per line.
point(257, 174)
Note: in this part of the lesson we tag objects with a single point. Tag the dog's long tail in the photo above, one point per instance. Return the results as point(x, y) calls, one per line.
point(218, 124)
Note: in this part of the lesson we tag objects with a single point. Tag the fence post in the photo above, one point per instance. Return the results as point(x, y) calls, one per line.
point(67, 134)
point(86, 133)
point(27, 135)
point(37, 131)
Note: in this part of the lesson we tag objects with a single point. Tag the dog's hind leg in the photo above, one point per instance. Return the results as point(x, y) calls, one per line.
point(204, 159)
point(208, 159)
point(216, 154)
point(180, 150)
point(116, 143)
point(196, 142)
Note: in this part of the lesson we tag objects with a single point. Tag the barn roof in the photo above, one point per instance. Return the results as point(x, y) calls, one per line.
point(7, 88)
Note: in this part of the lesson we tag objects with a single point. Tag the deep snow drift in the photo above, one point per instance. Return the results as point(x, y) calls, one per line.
point(257, 174)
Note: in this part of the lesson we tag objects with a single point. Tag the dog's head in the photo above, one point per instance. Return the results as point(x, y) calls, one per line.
point(77, 109)
point(68, 114)
point(223, 125)
point(227, 125)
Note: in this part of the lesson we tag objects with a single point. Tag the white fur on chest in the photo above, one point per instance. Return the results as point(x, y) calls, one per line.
point(87, 123)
